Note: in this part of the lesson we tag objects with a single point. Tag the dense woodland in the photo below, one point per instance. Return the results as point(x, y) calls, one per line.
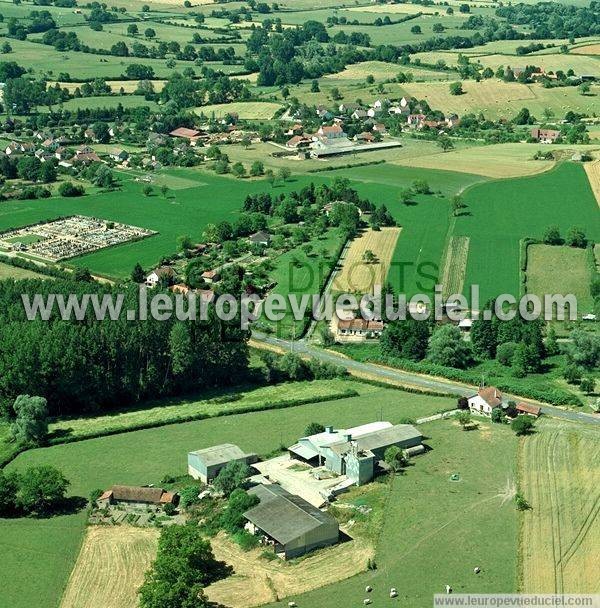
point(89, 365)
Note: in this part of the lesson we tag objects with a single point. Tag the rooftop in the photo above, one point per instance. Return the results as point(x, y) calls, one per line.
point(219, 454)
point(284, 516)
point(379, 438)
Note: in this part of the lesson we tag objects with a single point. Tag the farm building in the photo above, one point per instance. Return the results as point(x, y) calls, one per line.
point(137, 496)
point(290, 524)
point(545, 136)
point(205, 464)
point(260, 238)
point(485, 400)
point(355, 452)
point(527, 409)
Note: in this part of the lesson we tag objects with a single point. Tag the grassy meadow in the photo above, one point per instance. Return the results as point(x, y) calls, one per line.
point(546, 274)
point(559, 475)
point(500, 213)
point(436, 531)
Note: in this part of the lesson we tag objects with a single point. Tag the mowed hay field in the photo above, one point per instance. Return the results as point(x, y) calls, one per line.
point(497, 161)
point(356, 274)
point(546, 265)
point(258, 581)
point(498, 99)
point(12, 272)
point(588, 49)
point(455, 265)
point(560, 536)
point(257, 110)
point(593, 172)
point(110, 567)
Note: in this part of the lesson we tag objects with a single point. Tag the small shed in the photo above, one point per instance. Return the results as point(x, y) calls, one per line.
point(205, 464)
point(528, 409)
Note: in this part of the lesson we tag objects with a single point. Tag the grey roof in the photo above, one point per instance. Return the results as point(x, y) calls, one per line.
point(379, 439)
point(304, 451)
point(284, 516)
point(219, 454)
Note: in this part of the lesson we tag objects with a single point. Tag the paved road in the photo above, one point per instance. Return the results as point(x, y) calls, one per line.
point(408, 378)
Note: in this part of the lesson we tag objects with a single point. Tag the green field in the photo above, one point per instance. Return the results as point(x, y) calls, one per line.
point(39, 554)
point(13, 272)
point(500, 213)
point(546, 273)
point(186, 211)
point(417, 261)
point(436, 531)
point(212, 404)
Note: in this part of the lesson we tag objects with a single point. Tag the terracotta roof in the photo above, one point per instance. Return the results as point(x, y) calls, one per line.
point(528, 408)
point(141, 494)
point(360, 325)
point(332, 129)
point(491, 395)
point(184, 132)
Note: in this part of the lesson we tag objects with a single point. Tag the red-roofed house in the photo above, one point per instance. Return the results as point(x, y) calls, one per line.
point(485, 400)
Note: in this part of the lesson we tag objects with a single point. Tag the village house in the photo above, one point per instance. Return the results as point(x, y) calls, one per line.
point(327, 133)
point(44, 155)
point(323, 112)
point(118, 155)
point(415, 120)
point(297, 142)
point(211, 276)
point(137, 496)
point(260, 238)
point(365, 136)
point(452, 120)
point(379, 127)
point(359, 114)
point(206, 464)
point(288, 523)
point(359, 328)
point(545, 136)
point(485, 400)
point(162, 275)
point(185, 133)
point(296, 129)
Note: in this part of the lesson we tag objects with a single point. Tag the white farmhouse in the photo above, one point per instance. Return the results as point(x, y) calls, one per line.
point(486, 399)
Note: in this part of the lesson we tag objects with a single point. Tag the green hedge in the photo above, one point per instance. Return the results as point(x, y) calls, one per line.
point(554, 396)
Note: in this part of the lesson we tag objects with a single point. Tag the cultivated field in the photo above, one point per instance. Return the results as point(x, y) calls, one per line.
point(503, 212)
point(498, 99)
point(110, 567)
point(380, 70)
point(357, 273)
point(455, 265)
point(498, 160)
point(588, 49)
point(256, 110)
point(258, 581)
point(559, 470)
point(593, 172)
point(546, 274)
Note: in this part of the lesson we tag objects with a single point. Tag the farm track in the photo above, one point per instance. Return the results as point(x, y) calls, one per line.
point(560, 477)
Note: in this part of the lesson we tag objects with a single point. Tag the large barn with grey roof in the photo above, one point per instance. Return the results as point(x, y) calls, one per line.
point(205, 464)
point(355, 452)
point(289, 523)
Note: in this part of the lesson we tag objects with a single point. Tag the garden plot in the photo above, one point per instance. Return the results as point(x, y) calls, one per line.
point(70, 237)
